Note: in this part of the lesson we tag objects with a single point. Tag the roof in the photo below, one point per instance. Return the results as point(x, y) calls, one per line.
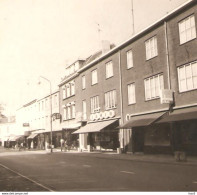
point(137, 35)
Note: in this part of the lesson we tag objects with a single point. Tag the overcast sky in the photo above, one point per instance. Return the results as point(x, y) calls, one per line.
point(40, 37)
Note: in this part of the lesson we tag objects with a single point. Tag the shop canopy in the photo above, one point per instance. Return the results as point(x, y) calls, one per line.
point(142, 120)
point(74, 126)
point(94, 127)
point(16, 137)
point(32, 136)
point(180, 115)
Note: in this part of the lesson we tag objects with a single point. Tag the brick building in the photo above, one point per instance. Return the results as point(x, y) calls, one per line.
point(123, 87)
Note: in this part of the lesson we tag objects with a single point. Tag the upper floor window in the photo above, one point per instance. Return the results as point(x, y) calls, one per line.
point(94, 104)
point(187, 77)
point(187, 29)
point(94, 77)
point(72, 87)
point(131, 94)
point(129, 59)
point(151, 48)
point(109, 69)
point(83, 82)
point(84, 110)
point(69, 111)
point(153, 85)
point(67, 90)
point(110, 99)
point(63, 92)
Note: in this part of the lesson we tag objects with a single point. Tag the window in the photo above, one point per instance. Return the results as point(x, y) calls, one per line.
point(65, 113)
point(153, 86)
point(94, 77)
point(72, 87)
point(67, 90)
point(187, 29)
point(151, 48)
point(129, 59)
point(84, 110)
point(110, 100)
point(69, 111)
point(94, 103)
point(131, 94)
point(73, 111)
point(83, 82)
point(63, 92)
point(187, 77)
point(109, 69)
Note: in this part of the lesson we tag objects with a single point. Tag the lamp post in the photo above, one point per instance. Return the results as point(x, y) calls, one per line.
point(50, 109)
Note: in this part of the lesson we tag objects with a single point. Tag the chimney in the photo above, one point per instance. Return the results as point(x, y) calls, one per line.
point(105, 46)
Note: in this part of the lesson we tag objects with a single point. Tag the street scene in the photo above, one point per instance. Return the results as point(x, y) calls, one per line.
point(98, 96)
point(71, 171)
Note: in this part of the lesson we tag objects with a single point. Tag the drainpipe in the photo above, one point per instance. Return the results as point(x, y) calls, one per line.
point(121, 98)
point(167, 55)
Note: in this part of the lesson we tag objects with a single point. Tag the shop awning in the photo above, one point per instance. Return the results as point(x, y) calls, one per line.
point(142, 120)
point(14, 138)
point(180, 115)
point(94, 127)
point(72, 126)
point(32, 136)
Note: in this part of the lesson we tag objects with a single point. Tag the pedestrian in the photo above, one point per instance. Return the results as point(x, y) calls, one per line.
point(62, 143)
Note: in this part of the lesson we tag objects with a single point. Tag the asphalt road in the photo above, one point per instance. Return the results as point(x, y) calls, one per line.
point(86, 172)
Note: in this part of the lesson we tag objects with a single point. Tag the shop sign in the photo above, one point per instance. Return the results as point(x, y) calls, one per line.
point(56, 116)
point(166, 96)
point(102, 115)
point(25, 124)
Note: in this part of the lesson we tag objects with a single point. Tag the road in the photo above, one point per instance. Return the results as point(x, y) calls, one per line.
point(87, 172)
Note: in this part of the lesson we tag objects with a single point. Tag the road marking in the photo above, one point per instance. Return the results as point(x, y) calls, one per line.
point(27, 178)
point(86, 165)
point(127, 172)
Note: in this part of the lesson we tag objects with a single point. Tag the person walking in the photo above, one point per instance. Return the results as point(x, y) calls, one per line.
point(62, 143)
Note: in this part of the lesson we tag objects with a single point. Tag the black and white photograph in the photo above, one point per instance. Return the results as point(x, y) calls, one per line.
point(98, 96)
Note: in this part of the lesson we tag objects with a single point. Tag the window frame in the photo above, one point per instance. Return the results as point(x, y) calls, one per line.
point(94, 104)
point(129, 51)
point(187, 78)
point(181, 42)
point(109, 69)
point(160, 86)
point(128, 94)
point(149, 47)
point(110, 99)
point(83, 80)
point(92, 72)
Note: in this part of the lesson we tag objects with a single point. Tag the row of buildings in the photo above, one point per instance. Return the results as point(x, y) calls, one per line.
point(140, 96)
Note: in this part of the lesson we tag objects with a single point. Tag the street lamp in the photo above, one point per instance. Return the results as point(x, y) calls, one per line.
point(50, 108)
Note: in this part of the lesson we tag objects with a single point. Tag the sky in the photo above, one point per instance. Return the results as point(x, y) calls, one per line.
point(40, 37)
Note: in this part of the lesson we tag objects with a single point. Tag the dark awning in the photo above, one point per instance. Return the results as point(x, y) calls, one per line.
point(142, 120)
point(94, 127)
point(180, 115)
point(32, 136)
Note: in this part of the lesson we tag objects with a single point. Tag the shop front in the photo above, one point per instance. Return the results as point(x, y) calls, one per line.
point(100, 135)
point(148, 136)
point(32, 141)
point(183, 124)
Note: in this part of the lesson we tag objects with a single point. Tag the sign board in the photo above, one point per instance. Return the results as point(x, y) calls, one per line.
point(166, 96)
point(56, 116)
point(25, 124)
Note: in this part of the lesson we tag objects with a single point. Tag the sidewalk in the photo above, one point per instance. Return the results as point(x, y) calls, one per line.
point(154, 158)
point(139, 157)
